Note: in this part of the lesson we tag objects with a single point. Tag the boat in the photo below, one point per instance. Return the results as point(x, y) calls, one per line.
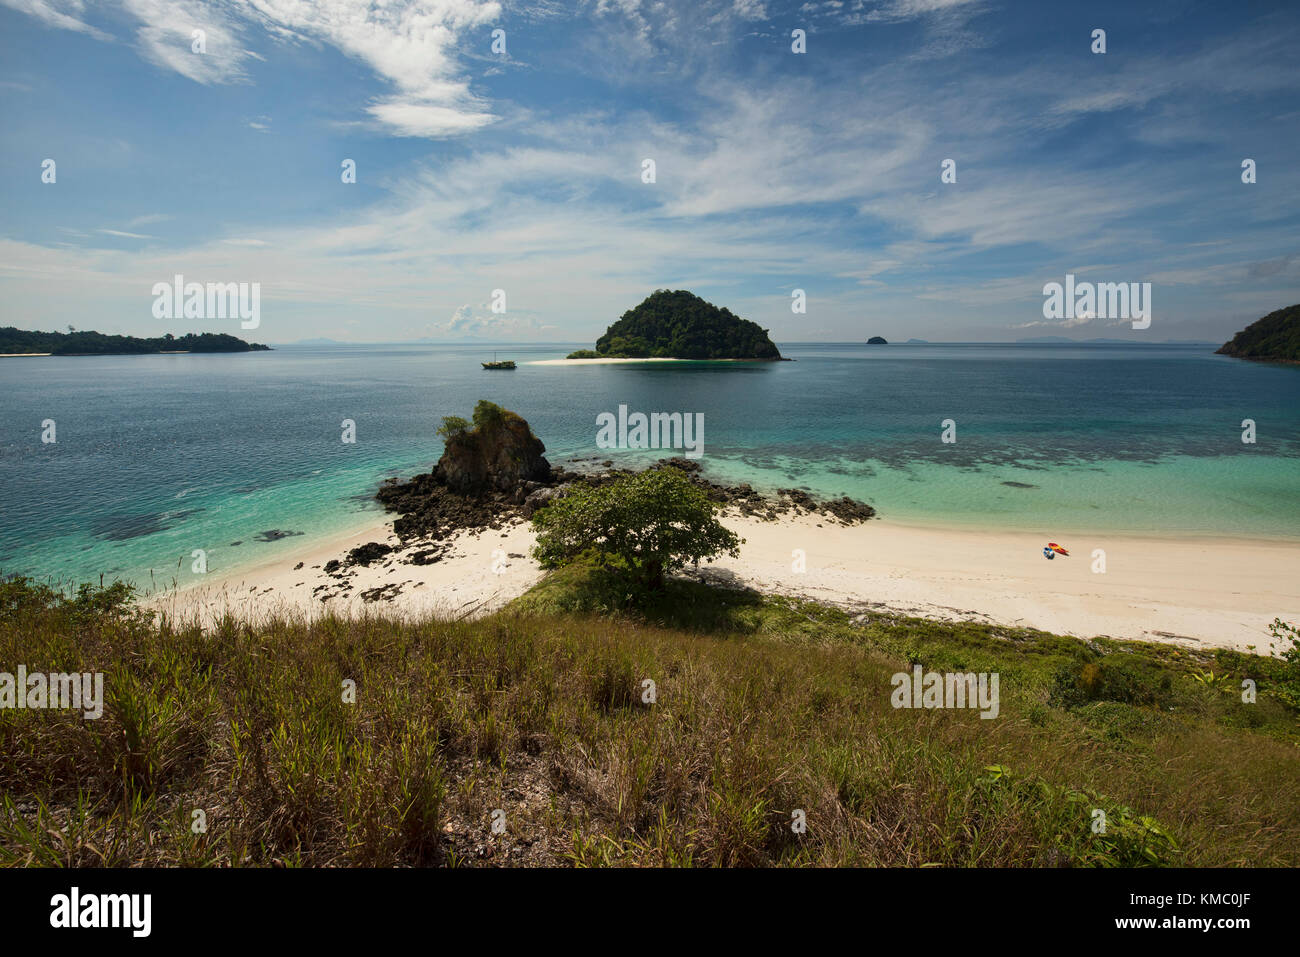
point(494, 364)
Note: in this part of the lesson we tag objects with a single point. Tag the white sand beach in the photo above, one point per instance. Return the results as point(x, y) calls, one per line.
point(1201, 592)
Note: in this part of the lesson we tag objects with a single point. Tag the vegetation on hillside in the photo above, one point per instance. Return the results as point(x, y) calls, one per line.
point(13, 340)
point(676, 324)
point(761, 707)
point(1276, 337)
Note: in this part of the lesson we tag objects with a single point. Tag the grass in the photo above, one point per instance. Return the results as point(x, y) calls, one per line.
point(761, 708)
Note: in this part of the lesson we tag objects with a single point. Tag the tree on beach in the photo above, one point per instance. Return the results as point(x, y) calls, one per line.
point(650, 523)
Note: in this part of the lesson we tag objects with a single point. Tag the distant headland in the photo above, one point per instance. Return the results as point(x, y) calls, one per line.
point(1275, 338)
point(676, 324)
point(20, 342)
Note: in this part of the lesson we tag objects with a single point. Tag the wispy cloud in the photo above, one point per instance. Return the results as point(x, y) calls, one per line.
point(63, 14)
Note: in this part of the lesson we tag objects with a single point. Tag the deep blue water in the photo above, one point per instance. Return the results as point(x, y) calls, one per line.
point(159, 455)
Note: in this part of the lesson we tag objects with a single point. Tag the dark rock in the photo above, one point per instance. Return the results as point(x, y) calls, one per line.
point(683, 463)
point(367, 553)
point(274, 535)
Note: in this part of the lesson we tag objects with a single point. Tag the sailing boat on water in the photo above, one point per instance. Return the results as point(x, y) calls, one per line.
point(494, 364)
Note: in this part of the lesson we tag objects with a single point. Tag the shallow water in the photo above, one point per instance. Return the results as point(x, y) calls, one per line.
point(157, 456)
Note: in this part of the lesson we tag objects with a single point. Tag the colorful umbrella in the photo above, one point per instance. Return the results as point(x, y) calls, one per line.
point(1057, 548)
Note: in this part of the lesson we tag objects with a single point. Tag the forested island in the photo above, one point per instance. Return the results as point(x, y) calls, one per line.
point(1275, 338)
point(14, 341)
point(676, 324)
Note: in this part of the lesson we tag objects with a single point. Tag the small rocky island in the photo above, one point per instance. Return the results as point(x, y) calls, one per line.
point(1275, 338)
point(676, 324)
point(877, 341)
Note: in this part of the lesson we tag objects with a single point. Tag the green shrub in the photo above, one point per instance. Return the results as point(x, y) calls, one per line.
point(1117, 678)
point(452, 427)
point(649, 524)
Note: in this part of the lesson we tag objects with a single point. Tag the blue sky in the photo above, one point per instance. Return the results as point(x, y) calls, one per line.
point(774, 170)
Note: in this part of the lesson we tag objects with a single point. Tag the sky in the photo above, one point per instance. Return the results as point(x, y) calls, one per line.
point(523, 169)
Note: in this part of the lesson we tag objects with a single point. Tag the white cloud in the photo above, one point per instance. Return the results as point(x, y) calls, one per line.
point(413, 45)
point(62, 14)
point(167, 39)
point(896, 10)
point(124, 235)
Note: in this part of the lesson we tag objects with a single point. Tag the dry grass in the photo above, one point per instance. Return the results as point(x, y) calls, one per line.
point(763, 708)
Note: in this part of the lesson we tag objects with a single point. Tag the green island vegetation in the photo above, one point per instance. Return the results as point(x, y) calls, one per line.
point(1275, 338)
point(676, 324)
point(761, 705)
point(72, 343)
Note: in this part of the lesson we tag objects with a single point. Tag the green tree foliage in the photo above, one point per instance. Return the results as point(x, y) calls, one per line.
point(98, 344)
point(452, 426)
point(488, 416)
point(677, 324)
point(1288, 688)
point(1276, 336)
point(650, 523)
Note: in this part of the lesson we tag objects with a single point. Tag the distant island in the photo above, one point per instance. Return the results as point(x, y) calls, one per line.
point(676, 324)
point(15, 341)
point(917, 342)
point(1275, 338)
point(877, 341)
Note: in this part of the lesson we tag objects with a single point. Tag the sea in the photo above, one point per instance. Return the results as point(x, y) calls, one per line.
point(243, 456)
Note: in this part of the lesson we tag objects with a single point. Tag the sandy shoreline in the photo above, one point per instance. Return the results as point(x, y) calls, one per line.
point(1197, 591)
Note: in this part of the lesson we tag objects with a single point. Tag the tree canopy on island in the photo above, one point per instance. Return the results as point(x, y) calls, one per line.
point(1275, 337)
point(72, 343)
point(676, 324)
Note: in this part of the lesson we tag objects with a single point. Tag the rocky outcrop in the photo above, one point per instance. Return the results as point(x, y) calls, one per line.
point(496, 455)
point(494, 474)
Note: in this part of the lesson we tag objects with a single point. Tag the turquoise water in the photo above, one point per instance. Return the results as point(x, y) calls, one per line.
point(159, 455)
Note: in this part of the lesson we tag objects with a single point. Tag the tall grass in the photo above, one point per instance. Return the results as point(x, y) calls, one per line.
point(537, 718)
